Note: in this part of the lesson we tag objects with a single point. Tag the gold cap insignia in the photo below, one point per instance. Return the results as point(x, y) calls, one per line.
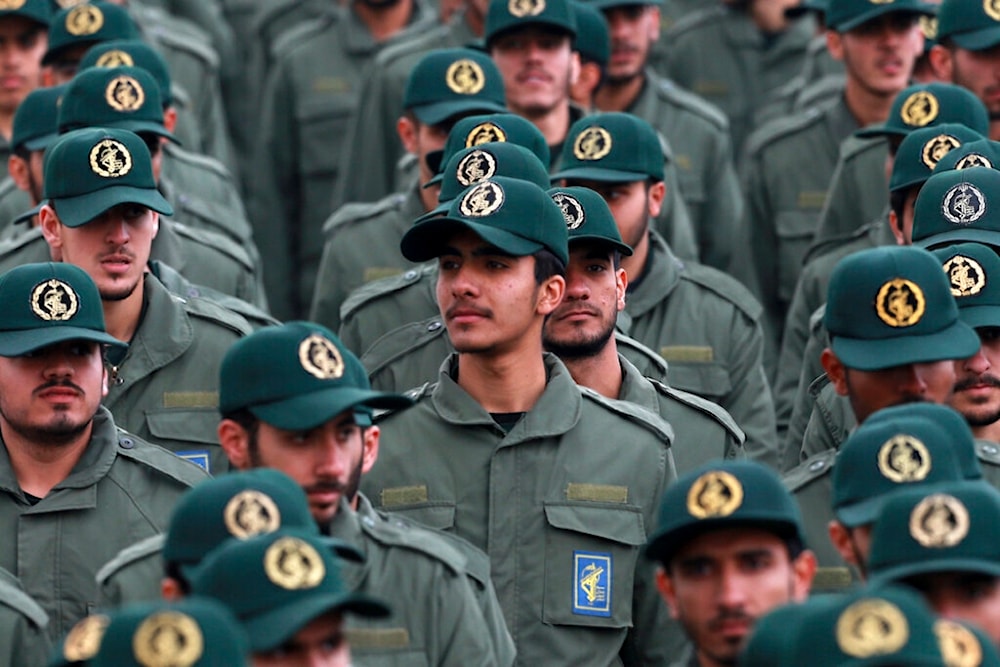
point(966, 276)
point(250, 513)
point(483, 200)
point(293, 564)
point(321, 358)
point(476, 167)
point(959, 647)
point(973, 160)
point(84, 639)
point(964, 204)
point(465, 77)
point(110, 159)
point(54, 301)
point(592, 144)
point(124, 94)
point(168, 639)
point(84, 20)
point(900, 303)
point(937, 148)
point(66, 4)
point(485, 133)
point(522, 8)
point(904, 459)
point(12, 4)
point(919, 109)
point(115, 58)
point(992, 9)
point(714, 495)
point(872, 627)
point(572, 209)
point(939, 521)
point(929, 26)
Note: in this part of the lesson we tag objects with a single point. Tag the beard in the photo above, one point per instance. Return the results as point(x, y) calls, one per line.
point(582, 346)
point(57, 433)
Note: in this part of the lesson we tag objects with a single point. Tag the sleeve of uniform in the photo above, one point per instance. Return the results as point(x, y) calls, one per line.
point(329, 293)
point(842, 213)
point(812, 378)
point(464, 636)
point(793, 346)
point(28, 646)
point(674, 221)
point(723, 209)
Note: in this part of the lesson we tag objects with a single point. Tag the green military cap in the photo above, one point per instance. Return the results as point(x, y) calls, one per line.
point(47, 304)
point(130, 53)
point(447, 82)
point(921, 151)
point(36, 10)
point(955, 206)
point(723, 494)
point(970, 24)
point(897, 447)
point(593, 38)
point(124, 98)
point(925, 104)
point(614, 147)
point(505, 15)
point(87, 23)
point(35, 121)
point(278, 583)
point(194, 632)
point(296, 376)
point(891, 306)
point(607, 4)
point(818, 6)
point(91, 170)
point(484, 129)
point(979, 153)
point(513, 215)
point(974, 273)
point(845, 15)
point(952, 527)
point(965, 645)
point(588, 217)
point(774, 636)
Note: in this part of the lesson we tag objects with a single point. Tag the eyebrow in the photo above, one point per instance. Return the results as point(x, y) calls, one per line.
point(485, 250)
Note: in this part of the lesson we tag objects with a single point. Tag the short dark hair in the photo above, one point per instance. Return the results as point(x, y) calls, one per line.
point(172, 570)
point(897, 200)
point(547, 265)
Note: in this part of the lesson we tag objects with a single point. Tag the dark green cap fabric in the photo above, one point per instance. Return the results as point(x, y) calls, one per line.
point(956, 206)
point(89, 171)
point(130, 53)
point(818, 6)
point(952, 527)
point(504, 15)
point(296, 376)
point(613, 147)
point(979, 153)
point(124, 98)
point(928, 104)
point(891, 306)
point(901, 446)
point(36, 10)
point(723, 494)
point(447, 82)
point(593, 38)
point(845, 15)
point(277, 583)
point(489, 128)
point(88, 23)
point(974, 273)
point(36, 119)
point(588, 217)
point(514, 215)
point(49, 303)
point(194, 632)
point(923, 149)
point(965, 645)
point(970, 24)
point(775, 635)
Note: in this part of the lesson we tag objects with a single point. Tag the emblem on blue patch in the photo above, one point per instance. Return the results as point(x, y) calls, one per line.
point(592, 584)
point(199, 457)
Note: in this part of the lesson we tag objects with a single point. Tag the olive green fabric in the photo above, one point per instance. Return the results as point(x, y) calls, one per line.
point(582, 498)
point(22, 626)
point(122, 489)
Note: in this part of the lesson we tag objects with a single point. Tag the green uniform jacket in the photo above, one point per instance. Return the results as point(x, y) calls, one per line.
point(820, 75)
point(122, 490)
point(166, 390)
point(787, 170)
point(721, 55)
point(831, 421)
point(812, 378)
point(858, 190)
point(560, 509)
point(182, 287)
point(133, 575)
point(311, 92)
point(23, 642)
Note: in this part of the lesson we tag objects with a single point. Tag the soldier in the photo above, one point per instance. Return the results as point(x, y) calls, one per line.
point(22, 625)
point(729, 546)
point(69, 473)
point(24, 31)
point(700, 320)
point(315, 425)
point(542, 493)
point(593, 43)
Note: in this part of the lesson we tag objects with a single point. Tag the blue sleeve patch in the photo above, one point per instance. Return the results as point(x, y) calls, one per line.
point(592, 584)
point(199, 457)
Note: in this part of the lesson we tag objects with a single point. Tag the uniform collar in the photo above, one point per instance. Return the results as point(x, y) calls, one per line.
point(637, 389)
point(164, 333)
point(661, 275)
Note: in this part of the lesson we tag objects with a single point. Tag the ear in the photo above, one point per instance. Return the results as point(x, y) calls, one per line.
point(654, 23)
point(835, 44)
point(170, 119)
point(550, 294)
point(621, 287)
point(803, 571)
point(369, 452)
point(835, 370)
point(665, 585)
point(654, 200)
point(104, 383)
point(156, 223)
point(170, 589)
point(407, 131)
point(896, 227)
point(574, 67)
point(18, 168)
point(51, 227)
point(840, 538)
point(235, 441)
point(942, 62)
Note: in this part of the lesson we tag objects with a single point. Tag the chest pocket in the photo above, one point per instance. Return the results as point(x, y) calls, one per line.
point(189, 433)
point(591, 553)
point(692, 189)
point(384, 647)
point(323, 119)
point(795, 230)
point(437, 515)
point(707, 379)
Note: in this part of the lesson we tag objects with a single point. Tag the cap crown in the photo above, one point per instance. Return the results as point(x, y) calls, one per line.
point(126, 98)
point(611, 146)
point(504, 15)
point(922, 150)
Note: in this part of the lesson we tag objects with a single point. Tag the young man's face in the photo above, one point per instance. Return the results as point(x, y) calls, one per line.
point(632, 204)
point(978, 71)
point(977, 386)
point(722, 581)
point(321, 643)
point(964, 596)
point(538, 66)
point(22, 45)
point(633, 30)
point(879, 54)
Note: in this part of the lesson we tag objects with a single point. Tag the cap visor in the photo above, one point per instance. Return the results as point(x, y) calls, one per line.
point(929, 565)
point(598, 174)
point(81, 209)
point(980, 316)
point(878, 11)
point(274, 627)
point(977, 40)
point(310, 410)
point(30, 213)
point(957, 341)
point(432, 114)
point(40, 143)
point(879, 130)
point(620, 247)
point(860, 513)
point(16, 343)
point(427, 240)
point(960, 235)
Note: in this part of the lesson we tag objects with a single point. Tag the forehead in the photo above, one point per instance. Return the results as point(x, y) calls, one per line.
point(588, 249)
point(721, 543)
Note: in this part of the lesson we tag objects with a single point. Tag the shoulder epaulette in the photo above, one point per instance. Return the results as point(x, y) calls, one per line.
point(820, 91)
point(181, 286)
point(698, 106)
point(400, 342)
point(816, 319)
point(713, 410)
point(181, 36)
point(633, 413)
point(829, 245)
point(416, 538)
point(651, 357)
point(476, 562)
point(361, 211)
point(205, 162)
point(264, 13)
point(695, 19)
point(852, 146)
point(204, 308)
point(413, 44)
point(988, 452)
point(12, 595)
point(162, 460)
point(378, 288)
point(812, 468)
point(782, 127)
point(297, 35)
point(139, 551)
point(725, 286)
point(7, 185)
point(415, 394)
point(13, 244)
point(217, 241)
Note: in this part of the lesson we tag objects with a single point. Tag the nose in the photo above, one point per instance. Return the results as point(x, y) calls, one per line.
point(577, 288)
point(58, 365)
point(977, 363)
point(331, 459)
point(911, 380)
point(731, 589)
point(118, 231)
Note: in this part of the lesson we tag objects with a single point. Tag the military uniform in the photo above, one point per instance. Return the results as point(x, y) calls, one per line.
point(857, 188)
point(184, 288)
point(821, 76)
point(22, 626)
point(122, 490)
point(550, 490)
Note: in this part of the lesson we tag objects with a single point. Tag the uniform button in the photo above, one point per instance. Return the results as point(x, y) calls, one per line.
point(368, 521)
point(119, 380)
point(126, 443)
point(817, 465)
point(989, 449)
point(410, 275)
point(434, 326)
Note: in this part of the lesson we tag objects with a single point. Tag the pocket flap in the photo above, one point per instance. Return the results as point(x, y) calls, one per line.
point(619, 524)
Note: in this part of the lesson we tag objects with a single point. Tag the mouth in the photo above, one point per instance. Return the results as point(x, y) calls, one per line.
point(465, 314)
point(576, 314)
point(534, 77)
point(59, 393)
point(117, 263)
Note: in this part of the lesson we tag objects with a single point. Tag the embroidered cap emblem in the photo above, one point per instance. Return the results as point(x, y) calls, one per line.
point(12, 4)
point(54, 301)
point(872, 627)
point(900, 303)
point(84, 639)
point(293, 564)
point(168, 639)
point(992, 9)
point(919, 109)
point(115, 58)
point(485, 133)
point(973, 160)
point(465, 77)
point(959, 647)
point(937, 148)
point(84, 20)
point(483, 200)
point(110, 159)
point(251, 513)
point(476, 167)
point(321, 358)
point(592, 144)
point(124, 94)
point(522, 8)
point(713, 495)
point(572, 209)
point(964, 204)
point(904, 459)
point(939, 521)
point(966, 276)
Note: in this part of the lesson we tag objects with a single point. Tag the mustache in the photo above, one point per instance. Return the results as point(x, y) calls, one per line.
point(729, 616)
point(52, 384)
point(482, 312)
point(321, 487)
point(986, 379)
